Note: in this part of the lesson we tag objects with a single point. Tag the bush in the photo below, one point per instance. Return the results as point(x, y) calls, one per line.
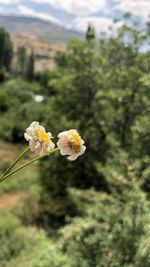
point(112, 232)
point(11, 238)
point(27, 247)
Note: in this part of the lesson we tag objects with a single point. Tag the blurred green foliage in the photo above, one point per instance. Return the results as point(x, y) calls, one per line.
point(93, 212)
point(22, 247)
point(102, 89)
point(109, 236)
point(18, 108)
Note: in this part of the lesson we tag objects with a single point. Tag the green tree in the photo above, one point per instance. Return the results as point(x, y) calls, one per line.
point(101, 91)
point(6, 49)
point(30, 67)
point(21, 60)
point(75, 105)
point(90, 34)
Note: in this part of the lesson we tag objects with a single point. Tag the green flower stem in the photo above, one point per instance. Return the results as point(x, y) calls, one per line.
point(15, 162)
point(28, 163)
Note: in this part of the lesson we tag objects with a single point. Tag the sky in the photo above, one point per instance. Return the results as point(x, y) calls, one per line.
point(77, 14)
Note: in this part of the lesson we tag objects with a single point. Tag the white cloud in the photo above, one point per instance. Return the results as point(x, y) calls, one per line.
point(23, 10)
point(78, 7)
point(136, 7)
point(100, 24)
point(7, 2)
point(1, 10)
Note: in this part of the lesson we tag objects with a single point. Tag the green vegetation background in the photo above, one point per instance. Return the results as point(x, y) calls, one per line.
point(94, 212)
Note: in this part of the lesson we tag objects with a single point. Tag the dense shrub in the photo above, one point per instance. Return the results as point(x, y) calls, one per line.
point(112, 232)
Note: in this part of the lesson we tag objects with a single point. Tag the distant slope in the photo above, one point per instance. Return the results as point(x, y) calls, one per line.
point(36, 29)
point(44, 53)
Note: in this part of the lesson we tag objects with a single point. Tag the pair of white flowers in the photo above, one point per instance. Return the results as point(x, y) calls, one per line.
point(40, 141)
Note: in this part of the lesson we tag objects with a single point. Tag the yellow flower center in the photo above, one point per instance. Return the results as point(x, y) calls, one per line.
point(75, 141)
point(42, 135)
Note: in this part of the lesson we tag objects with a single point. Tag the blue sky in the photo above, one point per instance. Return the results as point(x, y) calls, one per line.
point(77, 14)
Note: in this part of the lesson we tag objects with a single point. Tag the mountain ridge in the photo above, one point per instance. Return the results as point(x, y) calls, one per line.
point(37, 29)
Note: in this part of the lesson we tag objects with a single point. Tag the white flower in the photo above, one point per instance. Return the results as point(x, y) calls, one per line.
point(39, 141)
point(71, 144)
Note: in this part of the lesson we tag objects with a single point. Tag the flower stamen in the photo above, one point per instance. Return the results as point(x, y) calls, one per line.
point(42, 135)
point(75, 142)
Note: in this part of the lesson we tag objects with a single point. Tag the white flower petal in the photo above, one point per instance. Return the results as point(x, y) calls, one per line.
point(83, 148)
point(32, 145)
point(73, 157)
point(34, 124)
point(27, 136)
point(63, 134)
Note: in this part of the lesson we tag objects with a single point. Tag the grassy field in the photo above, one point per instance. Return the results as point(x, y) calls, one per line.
point(18, 187)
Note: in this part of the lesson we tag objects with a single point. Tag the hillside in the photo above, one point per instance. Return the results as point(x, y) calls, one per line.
point(44, 53)
point(36, 29)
